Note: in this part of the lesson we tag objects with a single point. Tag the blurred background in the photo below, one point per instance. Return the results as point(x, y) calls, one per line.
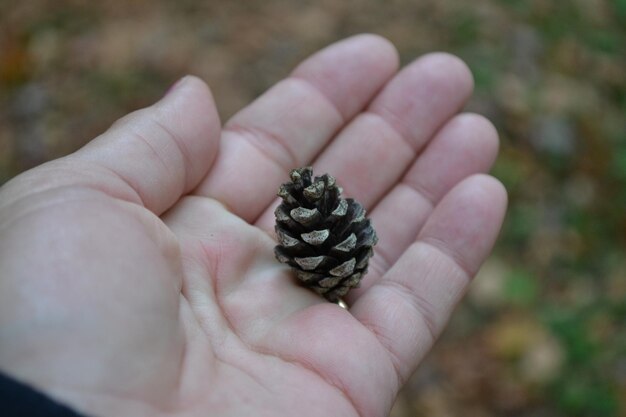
point(543, 329)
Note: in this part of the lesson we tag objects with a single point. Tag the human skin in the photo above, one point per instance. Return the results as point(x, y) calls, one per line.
point(137, 275)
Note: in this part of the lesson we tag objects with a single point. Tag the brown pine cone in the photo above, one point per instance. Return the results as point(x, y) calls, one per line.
point(326, 239)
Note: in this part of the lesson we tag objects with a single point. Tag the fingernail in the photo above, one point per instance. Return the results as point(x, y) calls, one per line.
point(174, 86)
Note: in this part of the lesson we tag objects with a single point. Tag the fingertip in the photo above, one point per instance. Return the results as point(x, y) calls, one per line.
point(467, 221)
point(424, 95)
point(482, 133)
point(379, 45)
point(191, 97)
point(489, 188)
point(453, 67)
point(188, 110)
point(501, 194)
point(350, 71)
point(487, 199)
point(477, 122)
point(486, 194)
point(444, 70)
point(375, 48)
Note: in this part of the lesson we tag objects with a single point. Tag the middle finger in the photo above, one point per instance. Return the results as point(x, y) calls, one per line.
point(373, 151)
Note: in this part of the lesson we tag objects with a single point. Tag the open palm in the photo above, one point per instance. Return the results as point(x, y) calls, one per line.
point(137, 275)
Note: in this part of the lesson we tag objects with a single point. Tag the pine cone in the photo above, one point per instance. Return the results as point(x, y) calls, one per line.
point(326, 239)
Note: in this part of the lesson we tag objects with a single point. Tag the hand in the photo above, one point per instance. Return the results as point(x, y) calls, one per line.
point(137, 275)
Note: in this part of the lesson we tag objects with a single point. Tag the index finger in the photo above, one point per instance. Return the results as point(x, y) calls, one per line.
point(292, 122)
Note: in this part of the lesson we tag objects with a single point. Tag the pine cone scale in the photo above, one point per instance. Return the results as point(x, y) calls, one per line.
point(316, 237)
point(329, 282)
point(346, 245)
point(305, 216)
point(310, 263)
point(345, 269)
point(341, 210)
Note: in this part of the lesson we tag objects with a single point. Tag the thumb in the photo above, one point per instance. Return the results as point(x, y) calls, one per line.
point(150, 157)
point(154, 155)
